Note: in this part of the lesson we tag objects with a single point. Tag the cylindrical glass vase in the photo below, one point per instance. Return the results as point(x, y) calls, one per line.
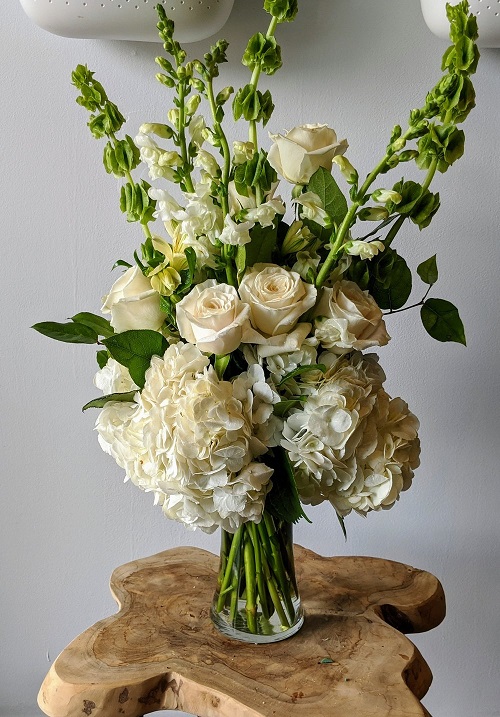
point(257, 598)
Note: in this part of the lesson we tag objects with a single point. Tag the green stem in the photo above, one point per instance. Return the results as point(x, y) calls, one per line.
point(250, 578)
point(227, 579)
point(226, 154)
point(252, 133)
point(394, 230)
point(261, 585)
point(278, 565)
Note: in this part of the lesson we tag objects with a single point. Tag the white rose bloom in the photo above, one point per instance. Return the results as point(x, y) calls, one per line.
point(133, 303)
point(277, 298)
point(114, 378)
point(364, 249)
point(299, 153)
point(349, 318)
point(213, 318)
point(236, 234)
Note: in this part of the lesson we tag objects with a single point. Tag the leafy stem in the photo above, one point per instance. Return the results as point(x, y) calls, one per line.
point(253, 136)
point(413, 306)
point(226, 153)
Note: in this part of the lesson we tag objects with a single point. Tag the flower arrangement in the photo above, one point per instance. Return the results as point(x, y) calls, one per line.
point(237, 379)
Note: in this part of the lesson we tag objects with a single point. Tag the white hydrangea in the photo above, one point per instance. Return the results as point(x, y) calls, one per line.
point(352, 444)
point(114, 378)
point(194, 440)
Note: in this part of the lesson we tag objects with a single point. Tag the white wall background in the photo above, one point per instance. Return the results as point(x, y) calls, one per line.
point(67, 518)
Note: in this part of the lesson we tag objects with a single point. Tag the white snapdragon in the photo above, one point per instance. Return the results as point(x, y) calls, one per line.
point(363, 249)
point(265, 213)
point(206, 161)
point(159, 161)
point(306, 260)
point(234, 233)
point(242, 152)
point(197, 129)
point(313, 209)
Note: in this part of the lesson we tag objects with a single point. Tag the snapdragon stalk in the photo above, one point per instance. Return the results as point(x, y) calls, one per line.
point(182, 126)
point(337, 246)
point(226, 153)
point(252, 134)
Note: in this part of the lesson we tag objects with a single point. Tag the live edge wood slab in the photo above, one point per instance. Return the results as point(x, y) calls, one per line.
point(161, 652)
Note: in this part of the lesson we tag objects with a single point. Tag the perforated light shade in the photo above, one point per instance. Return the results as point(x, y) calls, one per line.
point(486, 11)
point(128, 19)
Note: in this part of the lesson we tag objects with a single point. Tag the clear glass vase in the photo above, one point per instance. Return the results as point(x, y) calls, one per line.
point(257, 598)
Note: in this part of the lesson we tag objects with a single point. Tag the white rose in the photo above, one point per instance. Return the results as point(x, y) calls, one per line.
point(277, 298)
point(349, 319)
point(303, 150)
point(133, 303)
point(212, 317)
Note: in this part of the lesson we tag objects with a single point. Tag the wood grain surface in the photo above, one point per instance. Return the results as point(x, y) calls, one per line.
point(161, 652)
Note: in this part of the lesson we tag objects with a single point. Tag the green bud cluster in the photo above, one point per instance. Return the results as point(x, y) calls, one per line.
point(105, 119)
point(256, 173)
point(253, 105)
point(263, 52)
point(283, 10)
point(415, 204)
point(136, 203)
point(121, 157)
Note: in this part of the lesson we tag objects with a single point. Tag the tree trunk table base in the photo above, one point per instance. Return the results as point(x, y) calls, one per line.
point(161, 652)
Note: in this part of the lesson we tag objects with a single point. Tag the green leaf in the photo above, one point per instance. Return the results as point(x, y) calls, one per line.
point(326, 661)
point(260, 250)
point(428, 271)
point(342, 525)
point(102, 358)
point(283, 500)
point(302, 369)
point(97, 323)
point(391, 280)
point(442, 321)
point(134, 350)
point(283, 407)
point(103, 400)
point(324, 185)
point(70, 333)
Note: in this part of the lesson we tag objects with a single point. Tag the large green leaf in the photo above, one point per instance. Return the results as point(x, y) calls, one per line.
point(70, 333)
point(442, 321)
point(103, 400)
point(323, 184)
point(283, 500)
point(260, 249)
point(391, 280)
point(134, 350)
point(97, 323)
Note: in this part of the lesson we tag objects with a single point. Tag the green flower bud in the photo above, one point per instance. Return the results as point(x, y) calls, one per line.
point(160, 130)
point(165, 80)
point(173, 117)
point(192, 104)
point(224, 95)
point(386, 195)
point(181, 72)
point(198, 85)
point(408, 155)
point(348, 171)
point(165, 65)
point(373, 214)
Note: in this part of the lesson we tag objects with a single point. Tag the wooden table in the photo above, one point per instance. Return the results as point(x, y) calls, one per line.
point(161, 652)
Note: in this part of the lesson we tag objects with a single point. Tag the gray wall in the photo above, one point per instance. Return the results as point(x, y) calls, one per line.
point(67, 518)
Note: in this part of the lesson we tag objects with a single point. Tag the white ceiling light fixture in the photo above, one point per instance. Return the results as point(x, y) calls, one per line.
point(128, 19)
point(486, 11)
